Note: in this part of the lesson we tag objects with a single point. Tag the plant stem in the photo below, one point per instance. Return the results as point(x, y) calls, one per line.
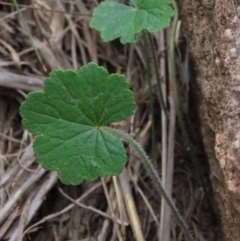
point(172, 70)
point(147, 61)
point(155, 62)
point(187, 141)
point(153, 174)
point(28, 33)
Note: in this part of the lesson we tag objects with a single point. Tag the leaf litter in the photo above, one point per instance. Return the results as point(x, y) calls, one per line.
point(31, 203)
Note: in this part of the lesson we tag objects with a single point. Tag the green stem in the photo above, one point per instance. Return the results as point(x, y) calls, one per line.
point(153, 174)
point(155, 62)
point(147, 60)
point(28, 33)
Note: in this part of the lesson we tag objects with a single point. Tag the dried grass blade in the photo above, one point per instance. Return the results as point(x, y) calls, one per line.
point(131, 208)
point(28, 33)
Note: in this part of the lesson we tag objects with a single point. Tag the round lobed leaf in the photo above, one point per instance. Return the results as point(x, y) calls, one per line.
point(67, 118)
point(116, 20)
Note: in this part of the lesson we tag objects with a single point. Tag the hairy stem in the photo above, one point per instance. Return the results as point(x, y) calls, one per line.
point(154, 176)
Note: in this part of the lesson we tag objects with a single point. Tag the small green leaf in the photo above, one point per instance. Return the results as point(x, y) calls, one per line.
point(115, 20)
point(67, 118)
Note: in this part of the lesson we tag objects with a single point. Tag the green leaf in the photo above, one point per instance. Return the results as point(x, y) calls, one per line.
point(67, 118)
point(115, 20)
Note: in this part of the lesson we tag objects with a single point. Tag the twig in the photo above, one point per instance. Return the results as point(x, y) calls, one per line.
point(69, 207)
point(16, 198)
point(130, 205)
point(81, 205)
point(164, 119)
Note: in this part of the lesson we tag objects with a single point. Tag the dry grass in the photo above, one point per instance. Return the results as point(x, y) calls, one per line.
point(34, 205)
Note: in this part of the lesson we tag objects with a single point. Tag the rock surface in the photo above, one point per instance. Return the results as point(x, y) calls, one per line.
point(213, 30)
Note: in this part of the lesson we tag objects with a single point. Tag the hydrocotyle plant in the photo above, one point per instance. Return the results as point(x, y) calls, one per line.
point(67, 118)
point(125, 22)
point(116, 20)
point(70, 117)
